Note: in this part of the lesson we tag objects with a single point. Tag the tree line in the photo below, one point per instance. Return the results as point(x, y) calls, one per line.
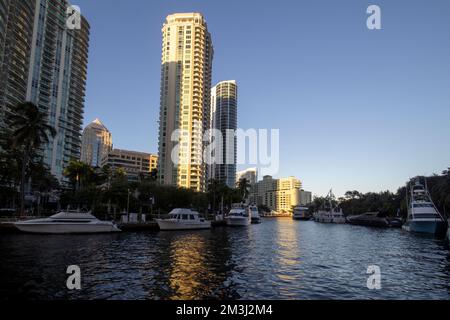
point(103, 190)
point(388, 203)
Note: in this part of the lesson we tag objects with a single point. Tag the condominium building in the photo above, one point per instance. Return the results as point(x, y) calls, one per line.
point(280, 195)
point(136, 164)
point(305, 197)
point(96, 143)
point(187, 54)
point(45, 62)
point(16, 33)
point(224, 119)
point(251, 175)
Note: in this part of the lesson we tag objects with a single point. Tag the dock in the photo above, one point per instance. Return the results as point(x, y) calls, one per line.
point(147, 226)
point(153, 226)
point(9, 228)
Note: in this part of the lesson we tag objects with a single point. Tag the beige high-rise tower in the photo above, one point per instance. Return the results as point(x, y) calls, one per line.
point(96, 143)
point(187, 54)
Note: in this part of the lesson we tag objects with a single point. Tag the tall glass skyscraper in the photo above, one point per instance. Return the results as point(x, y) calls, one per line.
point(224, 119)
point(53, 68)
point(187, 55)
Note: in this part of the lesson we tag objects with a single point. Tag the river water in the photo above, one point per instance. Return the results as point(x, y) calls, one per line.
point(277, 259)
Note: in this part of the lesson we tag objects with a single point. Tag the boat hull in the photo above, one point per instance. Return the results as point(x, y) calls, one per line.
point(237, 221)
point(66, 228)
point(378, 223)
point(302, 218)
point(175, 225)
point(330, 220)
point(430, 227)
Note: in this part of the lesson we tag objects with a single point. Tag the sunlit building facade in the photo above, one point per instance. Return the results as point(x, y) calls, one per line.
point(280, 195)
point(137, 165)
point(96, 143)
point(187, 54)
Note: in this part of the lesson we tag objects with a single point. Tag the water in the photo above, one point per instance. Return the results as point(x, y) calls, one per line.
point(278, 259)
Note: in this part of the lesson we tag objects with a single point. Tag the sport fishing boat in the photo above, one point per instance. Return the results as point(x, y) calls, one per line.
point(301, 213)
point(329, 213)
point(423, 216)
point(183, 219)
point(66, 222)
point(254, 214)
point(238, 216)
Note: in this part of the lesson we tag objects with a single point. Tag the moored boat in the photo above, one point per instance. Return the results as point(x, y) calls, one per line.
point(395, 222)
point(238, 216)
point(423, 216)
point(183, 219)
point(301, 213)
point(254, 214)
point(370, 219)
point(329, 213)
point(66, 222)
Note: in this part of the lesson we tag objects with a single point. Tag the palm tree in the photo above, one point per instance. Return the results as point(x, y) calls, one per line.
point(30, 130)
point(78, 173)
point(214, 188)
point(244, 187)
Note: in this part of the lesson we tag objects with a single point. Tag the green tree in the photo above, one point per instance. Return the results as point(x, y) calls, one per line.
point(79, 173)
point(30, 130)
point(244, 188)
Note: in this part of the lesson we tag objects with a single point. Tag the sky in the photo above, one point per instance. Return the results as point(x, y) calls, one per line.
point(357, 109)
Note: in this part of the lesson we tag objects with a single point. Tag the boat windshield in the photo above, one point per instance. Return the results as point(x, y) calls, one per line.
point(422, 205)
point(236, 213)
point(183, 216)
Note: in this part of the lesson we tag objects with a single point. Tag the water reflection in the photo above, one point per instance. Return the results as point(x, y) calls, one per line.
point(188, 267)
point(278, 259)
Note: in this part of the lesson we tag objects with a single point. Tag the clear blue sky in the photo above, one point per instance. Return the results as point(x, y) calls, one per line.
point(356, 109)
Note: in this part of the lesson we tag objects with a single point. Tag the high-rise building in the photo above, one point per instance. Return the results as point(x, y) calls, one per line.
point(187, 54)
point(224, 119)
point(45, 62)
point(16, 33)
point(96, 143)
point(280, 195)
point(251, 174)
point(136, 164)
point(305, 197)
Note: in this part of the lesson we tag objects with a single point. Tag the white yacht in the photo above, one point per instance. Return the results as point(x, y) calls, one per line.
point(183, 219)
point(423, 216)
point(254, 214)
point(67, 222)
point(301, 213)
point(238, 216)
point(329, 213)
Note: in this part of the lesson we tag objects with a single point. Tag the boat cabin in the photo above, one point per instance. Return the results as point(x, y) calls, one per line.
point(185, 214)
